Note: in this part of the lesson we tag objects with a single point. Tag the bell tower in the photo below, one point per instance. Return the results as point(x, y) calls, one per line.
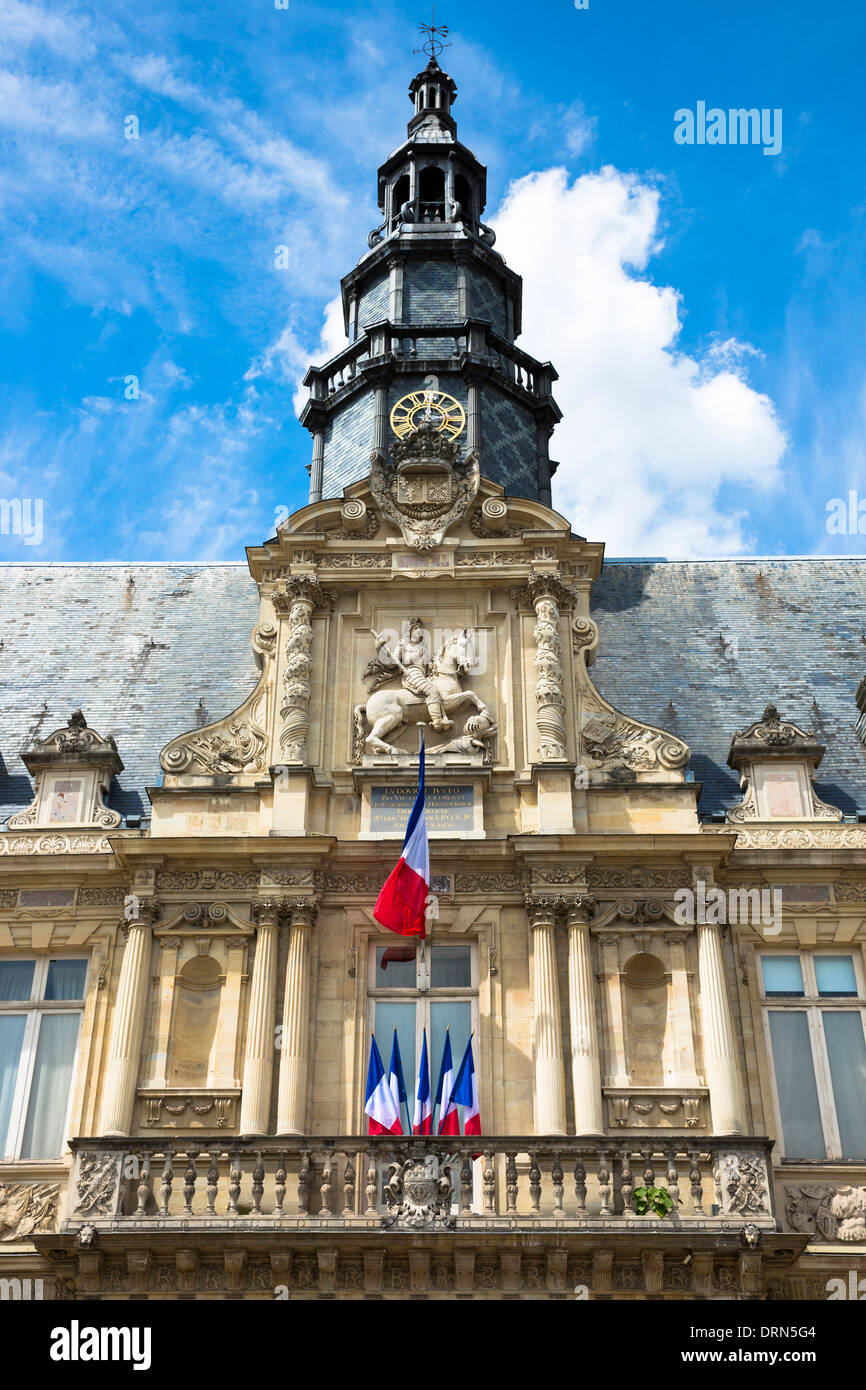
point(432, 313)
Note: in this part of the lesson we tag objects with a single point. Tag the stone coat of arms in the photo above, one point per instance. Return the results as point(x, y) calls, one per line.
point(418, 1193)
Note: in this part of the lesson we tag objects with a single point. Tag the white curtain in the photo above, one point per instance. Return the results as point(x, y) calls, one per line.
point(11, 1037)
point(44, 1135)
point(847, 1052)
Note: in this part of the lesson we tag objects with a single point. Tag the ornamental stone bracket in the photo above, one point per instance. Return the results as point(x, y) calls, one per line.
point(238, 744)
point(72, 770)
point(776, 761)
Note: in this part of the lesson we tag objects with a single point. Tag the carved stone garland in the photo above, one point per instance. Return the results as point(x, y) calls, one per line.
point(547, 594)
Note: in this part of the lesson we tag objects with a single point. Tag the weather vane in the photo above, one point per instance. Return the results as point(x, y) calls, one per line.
point(433, 44)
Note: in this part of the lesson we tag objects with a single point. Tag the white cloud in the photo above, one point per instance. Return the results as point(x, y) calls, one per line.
point(650, 435)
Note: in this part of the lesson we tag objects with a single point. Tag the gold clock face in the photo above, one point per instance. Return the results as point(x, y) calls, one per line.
point(428, 407)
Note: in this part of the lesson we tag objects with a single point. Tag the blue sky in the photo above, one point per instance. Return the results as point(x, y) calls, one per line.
point(704, 305)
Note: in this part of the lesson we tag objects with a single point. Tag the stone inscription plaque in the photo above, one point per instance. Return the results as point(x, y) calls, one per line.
point(449, 809)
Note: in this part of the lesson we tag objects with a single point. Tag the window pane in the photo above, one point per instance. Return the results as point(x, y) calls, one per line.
point(44, 1135)
point(835, 975)
point(402, 1017)
point(11, 1037)
point(459, 1017)
point(795, 1083)
point(16, 979)
point(450, 967)
point(782, 975)
point(846, 1048)
point(395, 967)
point(66, 979)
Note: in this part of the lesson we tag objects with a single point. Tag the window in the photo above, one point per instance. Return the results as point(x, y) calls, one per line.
point(816, 1016)
point(413, 986)
point(40, 1015)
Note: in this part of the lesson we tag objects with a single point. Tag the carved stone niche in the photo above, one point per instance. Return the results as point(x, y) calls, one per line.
point(776, 761)
point(72, 771)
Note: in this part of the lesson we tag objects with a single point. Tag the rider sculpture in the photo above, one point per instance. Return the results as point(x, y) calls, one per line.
point(409, 656)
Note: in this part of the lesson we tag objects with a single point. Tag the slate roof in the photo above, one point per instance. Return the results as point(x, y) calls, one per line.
point(148, 651)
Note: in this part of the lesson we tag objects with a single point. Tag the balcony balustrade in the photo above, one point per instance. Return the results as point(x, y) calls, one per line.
point(517, 1184)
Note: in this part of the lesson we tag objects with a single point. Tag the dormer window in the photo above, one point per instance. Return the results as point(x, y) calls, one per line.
point(777, 761)
point(72, 771)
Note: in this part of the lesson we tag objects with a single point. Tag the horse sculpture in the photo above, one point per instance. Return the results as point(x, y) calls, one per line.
point(387, 710)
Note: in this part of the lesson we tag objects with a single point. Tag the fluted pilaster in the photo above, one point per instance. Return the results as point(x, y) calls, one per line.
point(585, 1062)
point(295, 1038)
point(549, 1065)
point(721, 1060)
point(261, 1017)
point(124, 1048)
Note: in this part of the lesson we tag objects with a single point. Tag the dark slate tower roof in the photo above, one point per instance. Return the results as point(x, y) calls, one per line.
point(432, 305)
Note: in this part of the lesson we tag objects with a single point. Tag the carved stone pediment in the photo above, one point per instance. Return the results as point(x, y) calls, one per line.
point(425, 486)
point(771, 736)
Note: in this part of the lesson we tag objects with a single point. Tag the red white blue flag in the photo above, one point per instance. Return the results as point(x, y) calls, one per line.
point(423, 1121)
point(402, 903)
point(465, 1092)
point(395, 1081)
point(449, 1120)
point(384, 1116)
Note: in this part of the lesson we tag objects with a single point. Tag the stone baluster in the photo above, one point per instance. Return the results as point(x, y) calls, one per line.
point(556, 1175)
point(304, 1183)
point(649, 1175)
point(326, 1188)
point(673, 1179)
point(280, 1186)
point(549, 1066)
point(235, 1175)
point(167, 1176)
point(189, 1178)
point(349, 1185)
point(511, 1182)
point(721, 1059)
point(534, 1182)
point(258, 1187)
point(580, 1184)
point(605, 1187)
point(261, 1037)
point(213, 1181)
point(465, 1183)
point(626, 1180)
point(295, 1040)
point(489, 1183)
point(585, 1060)
point(372, 1188)
point(143, 1190)
point(298, 596)
point(124, 1048)
point(696, 1183)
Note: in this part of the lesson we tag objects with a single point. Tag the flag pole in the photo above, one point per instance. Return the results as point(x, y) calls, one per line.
point(420, 727)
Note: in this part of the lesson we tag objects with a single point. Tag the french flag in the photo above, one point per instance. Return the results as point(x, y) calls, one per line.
point(395, 1080)
point(401, 905)
point(449, 1120)
point(423, 1121)
point(465, 1093)
point(384, 1115)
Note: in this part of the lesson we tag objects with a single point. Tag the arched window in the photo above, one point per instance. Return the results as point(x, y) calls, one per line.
point(400, 194)
point(463, 195)
point(431, 188)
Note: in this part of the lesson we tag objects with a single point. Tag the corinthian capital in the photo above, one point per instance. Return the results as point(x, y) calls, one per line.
point(544, 911)
point(541, 586)
point(301, 588)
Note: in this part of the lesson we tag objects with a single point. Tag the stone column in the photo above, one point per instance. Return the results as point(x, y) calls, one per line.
point(124, 1048)
point(549, 1066)
point(542, 459)
point(261, 1033)
point(585, 1062)
point(380, 418)
point(295, 1038)
point(317, 468)
point(298, 596)
point(721, 1062)
point(395, 297)
point(547, 594)
point(463, 287)
point(473, 419)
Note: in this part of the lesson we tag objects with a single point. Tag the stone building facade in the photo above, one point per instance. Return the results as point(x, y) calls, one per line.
point(661, 962)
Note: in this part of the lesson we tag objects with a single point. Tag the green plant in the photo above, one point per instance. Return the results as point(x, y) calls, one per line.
point(654, 1199)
